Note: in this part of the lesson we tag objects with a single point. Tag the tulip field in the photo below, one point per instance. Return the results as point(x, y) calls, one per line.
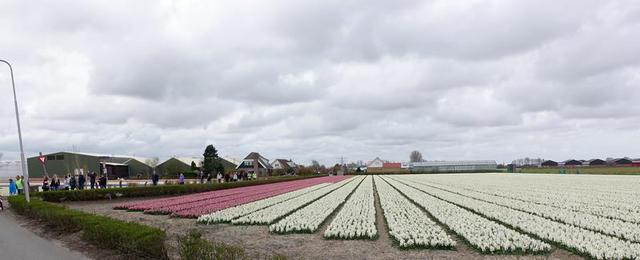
point(591, 216)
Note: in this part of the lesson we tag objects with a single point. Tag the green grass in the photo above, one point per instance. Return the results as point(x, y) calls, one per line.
point(611, 170)
point(130, 239)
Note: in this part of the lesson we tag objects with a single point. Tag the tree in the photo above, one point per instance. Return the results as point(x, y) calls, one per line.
point(194, 167)
point(315, 165)
point(153, 162)
point(415, 156)
point(211, 161)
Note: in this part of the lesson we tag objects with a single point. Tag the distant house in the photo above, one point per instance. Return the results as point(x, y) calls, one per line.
point(284, 165)
point(391, 165)
point(572, 162)
point(596, 162)
point(376, 163)
point(549, 163)
point(620, 162)
point(255, 163)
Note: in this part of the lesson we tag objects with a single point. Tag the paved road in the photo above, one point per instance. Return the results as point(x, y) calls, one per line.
point(19, 243)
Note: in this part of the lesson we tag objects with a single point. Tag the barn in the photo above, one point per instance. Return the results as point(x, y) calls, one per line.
point(176, 165)
point(63, 163)
point(549, 163)
point(572, 162)
point(620, 162)
point(596, 162)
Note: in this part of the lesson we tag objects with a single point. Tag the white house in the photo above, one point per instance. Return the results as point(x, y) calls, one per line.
point(376, 163)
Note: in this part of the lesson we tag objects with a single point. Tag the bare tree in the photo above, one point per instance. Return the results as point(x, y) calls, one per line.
point(415, 156)
point(153, 162)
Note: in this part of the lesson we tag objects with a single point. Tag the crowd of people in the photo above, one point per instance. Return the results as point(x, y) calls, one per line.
point(74, 182)
point(220, 177)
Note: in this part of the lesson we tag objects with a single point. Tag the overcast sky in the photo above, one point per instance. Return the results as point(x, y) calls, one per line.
point(324, 79)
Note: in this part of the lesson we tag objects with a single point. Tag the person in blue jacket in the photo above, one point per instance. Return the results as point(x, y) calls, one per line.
point(13, 189)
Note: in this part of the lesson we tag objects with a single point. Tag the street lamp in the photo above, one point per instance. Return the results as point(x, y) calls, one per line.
point(25, 171)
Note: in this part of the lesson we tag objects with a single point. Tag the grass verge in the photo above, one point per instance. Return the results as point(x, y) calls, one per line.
point(130, 239)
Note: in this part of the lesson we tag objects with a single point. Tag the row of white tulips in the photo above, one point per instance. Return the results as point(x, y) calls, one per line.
point(407, 224)
point(357, 218)
point(588, 242)
point(226, 215)
point(486, 235)
point(309, 218)
point(270, 214)
point(590, 203)
point(614, 227)
point(615, 192)
point(564, 201)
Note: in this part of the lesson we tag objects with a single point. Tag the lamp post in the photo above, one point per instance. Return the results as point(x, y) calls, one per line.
point(25, 171)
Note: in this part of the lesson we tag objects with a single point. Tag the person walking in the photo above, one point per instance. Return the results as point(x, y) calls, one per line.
point(181, 179)
point(13, 190)
point(155, 178)
point(19, 185)
point(92, 180)
point(219, 178)
point(81, 180)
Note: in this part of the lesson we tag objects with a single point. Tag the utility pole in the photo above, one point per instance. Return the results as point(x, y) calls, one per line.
point(25, 171)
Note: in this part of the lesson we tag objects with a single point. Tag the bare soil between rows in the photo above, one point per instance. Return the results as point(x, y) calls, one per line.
point(259, 243)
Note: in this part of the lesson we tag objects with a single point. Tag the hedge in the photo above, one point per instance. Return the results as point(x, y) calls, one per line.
point(131, 192)
point(129, 238)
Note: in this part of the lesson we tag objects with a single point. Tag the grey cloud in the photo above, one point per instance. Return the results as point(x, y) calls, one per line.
point(320, 80)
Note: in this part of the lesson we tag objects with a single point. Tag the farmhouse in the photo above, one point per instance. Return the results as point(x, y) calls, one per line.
point(283, 165)
point(63, 163)
point(255, 163)
point(376, 163)
point(454, 166)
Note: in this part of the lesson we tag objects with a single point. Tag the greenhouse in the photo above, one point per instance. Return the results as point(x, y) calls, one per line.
point(454, 166)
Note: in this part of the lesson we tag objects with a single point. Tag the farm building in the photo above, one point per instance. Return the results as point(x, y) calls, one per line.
point(376, 163)
point(454, 166)
point(177, 165)
point(255, 163)
point(572, 162)
point(549, 163)
point(63, 163)
point(392, 165)
point(620, 162)
point(595, 162)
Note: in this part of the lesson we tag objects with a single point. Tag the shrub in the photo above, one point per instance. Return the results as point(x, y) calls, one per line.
point(126, 237)
point(130, 192)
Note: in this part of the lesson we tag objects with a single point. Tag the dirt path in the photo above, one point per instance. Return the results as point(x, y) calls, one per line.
point(258, 242)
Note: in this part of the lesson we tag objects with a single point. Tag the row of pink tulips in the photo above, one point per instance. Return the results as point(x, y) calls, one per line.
point(198, 204)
